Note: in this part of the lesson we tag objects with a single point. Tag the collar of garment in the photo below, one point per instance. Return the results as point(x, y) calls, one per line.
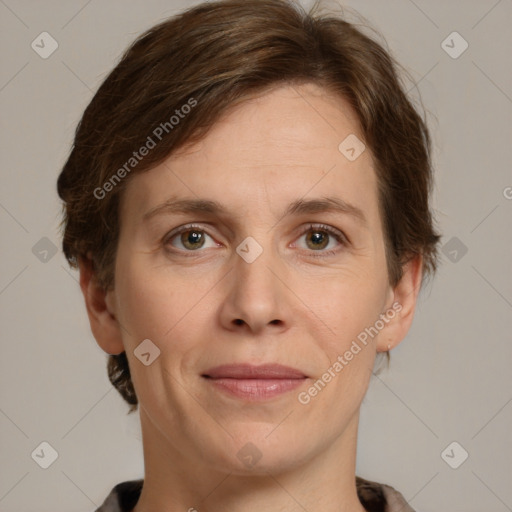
point(373, 496)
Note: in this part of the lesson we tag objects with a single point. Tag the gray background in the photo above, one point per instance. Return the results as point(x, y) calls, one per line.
point(450, 380)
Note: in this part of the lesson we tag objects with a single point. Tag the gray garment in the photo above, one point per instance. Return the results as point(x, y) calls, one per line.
point(374, 497)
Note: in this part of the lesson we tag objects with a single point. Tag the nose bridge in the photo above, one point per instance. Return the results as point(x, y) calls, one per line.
point(253, 260)
point(255, 291)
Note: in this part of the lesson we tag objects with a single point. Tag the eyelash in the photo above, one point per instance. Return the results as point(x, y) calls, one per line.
point(338, 235)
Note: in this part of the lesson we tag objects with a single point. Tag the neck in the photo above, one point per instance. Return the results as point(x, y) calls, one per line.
point(174, 481)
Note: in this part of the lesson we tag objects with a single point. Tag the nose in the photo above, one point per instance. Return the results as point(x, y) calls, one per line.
point(256, 296)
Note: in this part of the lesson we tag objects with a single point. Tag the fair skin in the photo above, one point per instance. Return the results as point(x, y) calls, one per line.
point(203, 305)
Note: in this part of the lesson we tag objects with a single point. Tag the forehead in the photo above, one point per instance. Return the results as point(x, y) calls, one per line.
point(269, 151)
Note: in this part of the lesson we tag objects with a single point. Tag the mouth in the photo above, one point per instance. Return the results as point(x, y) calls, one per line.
point(254, 382)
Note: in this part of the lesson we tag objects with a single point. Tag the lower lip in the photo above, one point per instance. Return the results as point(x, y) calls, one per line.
point(256, 389)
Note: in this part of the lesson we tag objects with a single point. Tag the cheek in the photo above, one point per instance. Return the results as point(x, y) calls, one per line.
point(348, 307)
point(148, 306)
point(350, 347)
point(157, 306)
point(161, 304)
point(348, 302)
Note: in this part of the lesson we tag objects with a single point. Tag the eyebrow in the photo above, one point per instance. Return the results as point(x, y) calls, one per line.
point(298, 207)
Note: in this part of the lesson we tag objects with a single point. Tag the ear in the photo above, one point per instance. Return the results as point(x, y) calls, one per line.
point(104, 325)
point(402, 307)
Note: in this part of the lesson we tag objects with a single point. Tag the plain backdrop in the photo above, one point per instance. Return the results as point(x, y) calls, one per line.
point(449, 380)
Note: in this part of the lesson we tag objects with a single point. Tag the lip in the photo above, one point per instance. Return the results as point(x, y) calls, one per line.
point(248, 371)
point(254, 382)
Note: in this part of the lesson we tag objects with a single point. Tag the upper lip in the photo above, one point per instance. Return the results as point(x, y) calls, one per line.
point(248, 371)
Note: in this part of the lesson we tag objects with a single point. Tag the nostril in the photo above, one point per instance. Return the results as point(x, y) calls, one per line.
point(239, 321)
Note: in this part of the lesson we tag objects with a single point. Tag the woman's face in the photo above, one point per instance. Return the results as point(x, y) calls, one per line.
point(269, 276)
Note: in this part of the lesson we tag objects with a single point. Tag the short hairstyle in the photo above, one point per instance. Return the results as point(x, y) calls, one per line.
point(176, 80)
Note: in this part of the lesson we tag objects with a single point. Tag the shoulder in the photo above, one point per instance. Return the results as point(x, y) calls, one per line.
point(376, 497)
point(123, 497)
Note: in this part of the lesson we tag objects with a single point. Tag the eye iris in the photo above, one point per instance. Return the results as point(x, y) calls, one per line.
point(317, 236)
point(192, 237)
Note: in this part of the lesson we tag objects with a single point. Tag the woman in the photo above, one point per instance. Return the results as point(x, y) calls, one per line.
point(247, 200)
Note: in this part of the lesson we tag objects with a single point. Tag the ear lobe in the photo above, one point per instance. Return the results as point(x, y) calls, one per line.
point(405, 296)
point(104, 325)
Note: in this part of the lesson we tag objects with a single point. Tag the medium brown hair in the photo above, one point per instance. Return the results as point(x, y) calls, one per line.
point(176, 80)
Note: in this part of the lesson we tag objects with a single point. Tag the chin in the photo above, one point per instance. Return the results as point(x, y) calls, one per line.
point(255, 452)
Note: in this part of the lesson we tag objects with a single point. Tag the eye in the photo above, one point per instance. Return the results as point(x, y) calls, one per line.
point(190, 237)
point(320, 237)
